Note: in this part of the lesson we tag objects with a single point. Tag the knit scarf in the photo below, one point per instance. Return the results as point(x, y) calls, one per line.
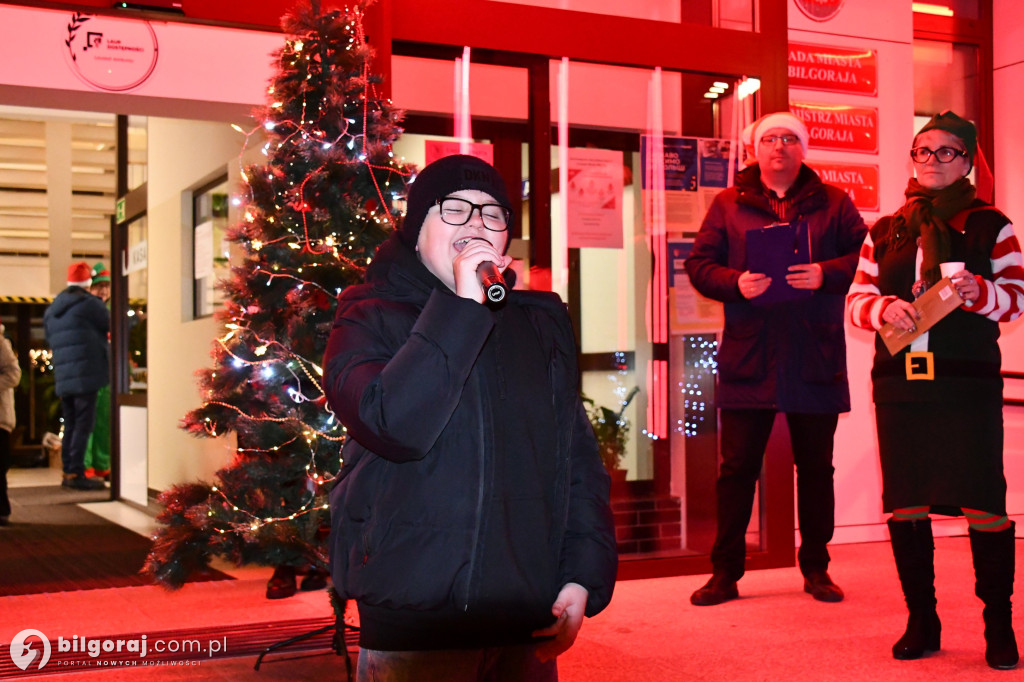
point(925, 215)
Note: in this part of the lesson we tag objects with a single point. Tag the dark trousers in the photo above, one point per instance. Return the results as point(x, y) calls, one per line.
point(79, 417)
point(744, 439)
point(5, 466)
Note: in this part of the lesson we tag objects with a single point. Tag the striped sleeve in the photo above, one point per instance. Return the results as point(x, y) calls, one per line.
point(865, 302)
point(1002, 299)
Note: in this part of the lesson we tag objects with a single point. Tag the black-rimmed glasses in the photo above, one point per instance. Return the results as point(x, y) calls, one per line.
point(455, 211)
point(942, 154)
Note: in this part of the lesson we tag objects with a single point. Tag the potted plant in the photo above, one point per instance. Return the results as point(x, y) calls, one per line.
point(611, 429)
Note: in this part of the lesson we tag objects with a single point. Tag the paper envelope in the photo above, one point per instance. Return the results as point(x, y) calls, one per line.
point(933, 305)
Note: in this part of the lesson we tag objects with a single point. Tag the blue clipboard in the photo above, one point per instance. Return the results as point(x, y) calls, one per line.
point(771, 250)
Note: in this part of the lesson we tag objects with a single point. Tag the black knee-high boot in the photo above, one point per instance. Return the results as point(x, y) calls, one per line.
point(914, 551)
point(993, 555)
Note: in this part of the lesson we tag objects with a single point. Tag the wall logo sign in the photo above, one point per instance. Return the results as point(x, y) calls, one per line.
point(820, 10)
point(110, 53)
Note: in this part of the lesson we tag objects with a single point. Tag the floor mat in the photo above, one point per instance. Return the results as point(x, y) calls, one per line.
point(52, 545)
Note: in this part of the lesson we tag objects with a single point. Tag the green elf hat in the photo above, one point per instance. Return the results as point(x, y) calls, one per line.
point(956, 126)
point(100, 273)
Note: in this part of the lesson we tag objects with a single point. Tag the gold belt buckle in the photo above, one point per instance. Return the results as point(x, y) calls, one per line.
point(920, 366)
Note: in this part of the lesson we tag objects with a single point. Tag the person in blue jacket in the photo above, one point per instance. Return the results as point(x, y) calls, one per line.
point(471, 523)
point(76, 326)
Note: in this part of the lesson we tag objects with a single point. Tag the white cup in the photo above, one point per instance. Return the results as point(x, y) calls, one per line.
point(951, 268)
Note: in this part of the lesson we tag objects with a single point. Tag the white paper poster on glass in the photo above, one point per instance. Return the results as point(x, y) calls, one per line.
point(202, 264)
point(593, 197)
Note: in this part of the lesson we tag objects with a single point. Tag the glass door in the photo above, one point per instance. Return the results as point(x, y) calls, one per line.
point(586, 231)
point(129, 316)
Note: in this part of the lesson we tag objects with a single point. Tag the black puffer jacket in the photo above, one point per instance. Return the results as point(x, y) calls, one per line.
point(76, 326)
point(402, 373)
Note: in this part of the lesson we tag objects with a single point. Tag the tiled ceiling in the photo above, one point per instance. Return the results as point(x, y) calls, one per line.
point(24, 179)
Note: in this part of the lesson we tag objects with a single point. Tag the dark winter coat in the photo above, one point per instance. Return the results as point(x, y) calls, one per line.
point(788, 356)
point(76, 326)
point(403, 374)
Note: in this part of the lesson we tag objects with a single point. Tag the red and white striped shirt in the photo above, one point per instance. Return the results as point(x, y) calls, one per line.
point(1001, 299)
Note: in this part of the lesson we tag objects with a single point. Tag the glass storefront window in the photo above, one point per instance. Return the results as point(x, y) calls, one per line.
point(211, 252)
point(946, 76)
point(647, 352)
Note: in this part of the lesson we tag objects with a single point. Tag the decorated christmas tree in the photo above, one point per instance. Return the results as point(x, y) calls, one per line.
point(312, 216)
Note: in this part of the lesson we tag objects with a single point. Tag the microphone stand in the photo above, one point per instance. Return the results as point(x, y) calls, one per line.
point(339, 642)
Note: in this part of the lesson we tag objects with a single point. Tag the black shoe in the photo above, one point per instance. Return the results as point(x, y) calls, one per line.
point(282, 584)
point(718, 589)
point(820, 586)
point(81, 482)
point(315, 579)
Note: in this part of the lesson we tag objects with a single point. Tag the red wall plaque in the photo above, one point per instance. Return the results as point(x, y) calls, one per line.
point(860, 181)
point(839, 127)
point(838, 69)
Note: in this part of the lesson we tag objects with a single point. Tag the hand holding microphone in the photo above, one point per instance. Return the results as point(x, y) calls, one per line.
point(478, 272)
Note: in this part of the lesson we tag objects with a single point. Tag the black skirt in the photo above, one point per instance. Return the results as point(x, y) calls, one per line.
point(942, 455)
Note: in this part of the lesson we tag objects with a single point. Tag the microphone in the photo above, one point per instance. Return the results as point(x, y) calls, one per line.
point(492, 282)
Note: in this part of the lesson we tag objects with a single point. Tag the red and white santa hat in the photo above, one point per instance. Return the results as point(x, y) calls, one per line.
point(785, 120)
point(79, 275)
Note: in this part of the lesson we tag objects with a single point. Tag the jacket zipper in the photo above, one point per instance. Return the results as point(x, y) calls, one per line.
point(479, 499)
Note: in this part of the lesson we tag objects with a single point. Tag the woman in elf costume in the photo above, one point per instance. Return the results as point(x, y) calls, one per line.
point(939, 402)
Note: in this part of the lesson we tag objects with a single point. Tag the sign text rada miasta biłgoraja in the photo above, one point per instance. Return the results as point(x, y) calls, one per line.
point(819, 67)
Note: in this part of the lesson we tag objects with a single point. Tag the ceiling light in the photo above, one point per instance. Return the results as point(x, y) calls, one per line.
point(715, 88)
point(720, 84)
point(711, 95)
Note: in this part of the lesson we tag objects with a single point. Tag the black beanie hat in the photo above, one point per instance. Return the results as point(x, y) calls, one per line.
point(442, 177)
point(954, 125)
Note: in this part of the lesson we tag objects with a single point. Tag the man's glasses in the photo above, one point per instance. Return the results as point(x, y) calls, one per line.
point(788, 140)
point(455, 211)
point(942, 154)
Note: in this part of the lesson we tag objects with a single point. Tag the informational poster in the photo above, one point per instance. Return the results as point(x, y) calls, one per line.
point(714, 162)
point(438, 149)
point(594, 198)
point(859, 180)
point(680, 162)
point(696, 169)
point(836, 69)
point(689, 312)
point(839, 127)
